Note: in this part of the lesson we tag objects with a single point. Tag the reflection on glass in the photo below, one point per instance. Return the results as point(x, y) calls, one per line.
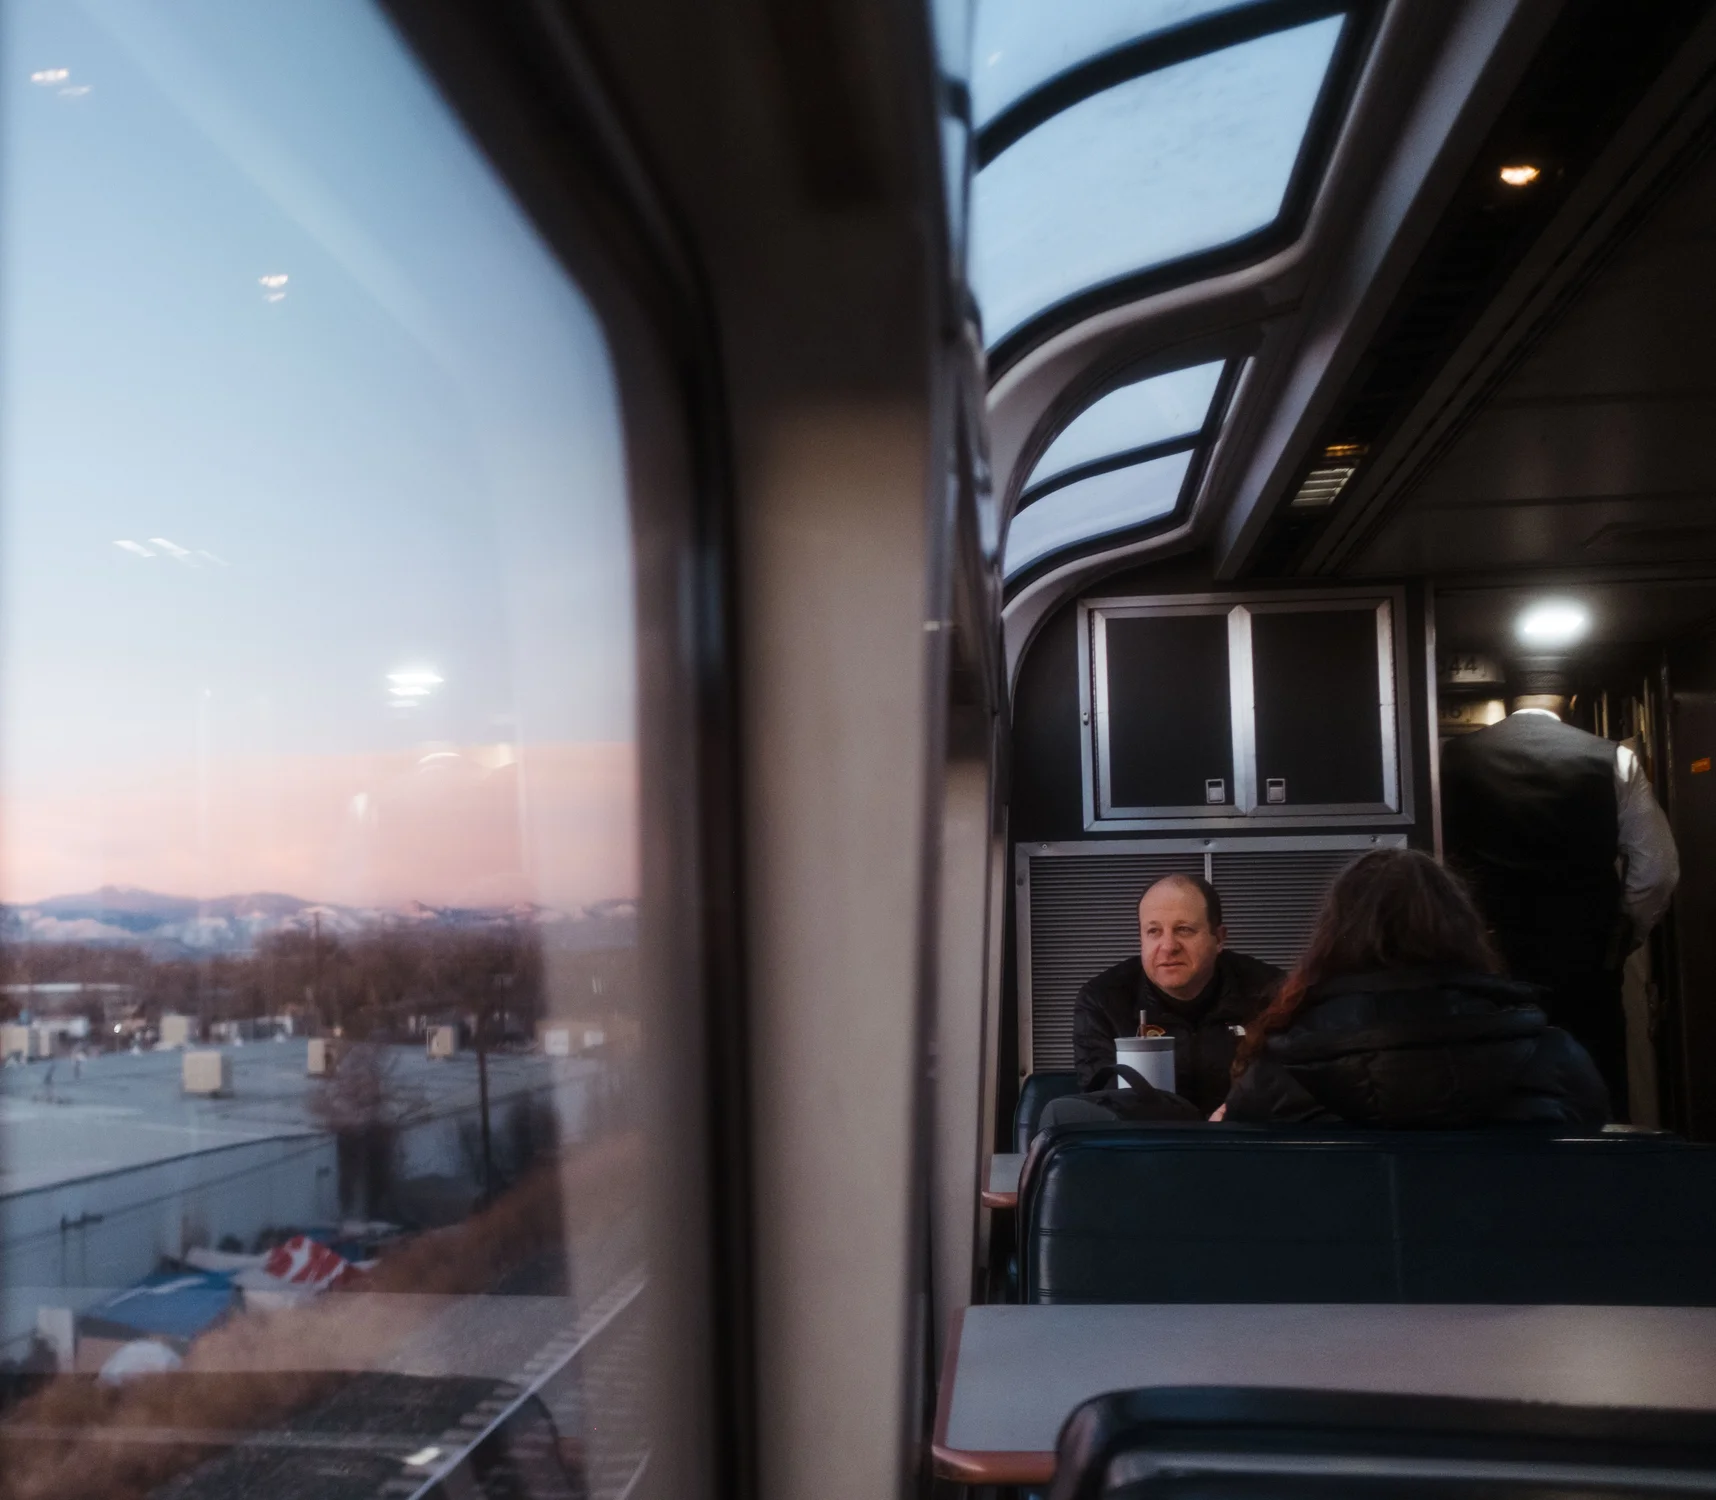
point(1094, 507)
point(1024, 43)
point(1179, 161)
point(318, 837)
point(1134, 416)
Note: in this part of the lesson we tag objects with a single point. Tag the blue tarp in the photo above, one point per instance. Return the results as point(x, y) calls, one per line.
point(178, 1304)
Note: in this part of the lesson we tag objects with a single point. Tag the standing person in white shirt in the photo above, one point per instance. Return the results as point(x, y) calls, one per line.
point(1569, 856)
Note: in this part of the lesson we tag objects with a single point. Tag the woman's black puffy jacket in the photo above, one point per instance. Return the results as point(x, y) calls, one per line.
point(1422, 1049)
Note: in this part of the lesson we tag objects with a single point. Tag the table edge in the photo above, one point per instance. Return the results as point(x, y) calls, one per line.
point(1029, 1466)
point(1023, 1468)
point(1000, 1200)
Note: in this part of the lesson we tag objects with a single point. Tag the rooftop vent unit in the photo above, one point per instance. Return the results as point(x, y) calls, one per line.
point(208, 1073)
point(1328, 477)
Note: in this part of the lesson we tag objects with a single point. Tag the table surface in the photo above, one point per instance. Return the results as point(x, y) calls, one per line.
point(1002, 1188)
point(1013, 1374)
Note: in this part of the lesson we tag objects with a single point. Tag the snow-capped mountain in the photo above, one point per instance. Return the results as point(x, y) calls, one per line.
point(177, 926)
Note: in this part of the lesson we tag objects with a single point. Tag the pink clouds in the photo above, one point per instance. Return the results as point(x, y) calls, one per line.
point(443, 824)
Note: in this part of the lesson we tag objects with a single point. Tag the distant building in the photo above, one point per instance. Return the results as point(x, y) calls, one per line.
point(86, 1208)
point(569, 1038)
point(114, 1001)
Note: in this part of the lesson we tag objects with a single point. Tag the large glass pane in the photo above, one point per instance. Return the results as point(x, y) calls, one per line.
point(1179, 161)
point(1093, 507)
point(1168, 669)
point(1318, 698)
point(1134, 416)
point(318, 814)
point(1024, 43)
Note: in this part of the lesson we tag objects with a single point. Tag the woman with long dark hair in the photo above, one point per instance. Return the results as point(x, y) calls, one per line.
point(1397, 1015)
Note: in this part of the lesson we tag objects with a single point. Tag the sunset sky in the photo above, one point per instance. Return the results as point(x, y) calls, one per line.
point(314, 558)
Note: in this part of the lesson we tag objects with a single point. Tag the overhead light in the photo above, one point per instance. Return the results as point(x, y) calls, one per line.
point(1521, 174)
point(1553, 622)
point(46, 77)
point(1322, 486)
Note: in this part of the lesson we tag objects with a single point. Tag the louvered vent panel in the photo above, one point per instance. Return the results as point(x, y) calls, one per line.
point(1084, 917)
point(1270, 899)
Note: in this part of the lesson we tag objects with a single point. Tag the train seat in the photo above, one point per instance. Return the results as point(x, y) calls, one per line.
point(1035, 1095)
point(1215, 1440)
point(1197, 1213)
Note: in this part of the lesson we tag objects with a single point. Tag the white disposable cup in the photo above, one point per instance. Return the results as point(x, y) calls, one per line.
point(1151, 1056)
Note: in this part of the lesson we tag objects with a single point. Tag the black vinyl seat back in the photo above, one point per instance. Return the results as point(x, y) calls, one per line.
point(1228, 1443)
point(1200, 1213)
point(1034, 1094)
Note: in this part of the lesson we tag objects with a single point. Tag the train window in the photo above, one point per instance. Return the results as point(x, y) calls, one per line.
point(320, 834)
point(1185, 158)
point(1137, 415)
point(1016, 52)
point(1121, 463)
point(1098, 506)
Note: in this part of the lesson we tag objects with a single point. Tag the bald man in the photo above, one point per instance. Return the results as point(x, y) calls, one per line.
point(1185, 981)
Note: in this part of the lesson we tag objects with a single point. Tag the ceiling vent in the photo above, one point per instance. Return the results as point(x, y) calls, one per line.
point(1328, 477)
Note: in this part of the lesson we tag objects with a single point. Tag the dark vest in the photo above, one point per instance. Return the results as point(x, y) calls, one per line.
point(1529, 818)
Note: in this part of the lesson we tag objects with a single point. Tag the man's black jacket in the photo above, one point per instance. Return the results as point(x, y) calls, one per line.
point(1205, 1031)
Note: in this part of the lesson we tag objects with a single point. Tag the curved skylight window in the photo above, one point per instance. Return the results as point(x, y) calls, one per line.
point(1022, 44)
point(1138, 415)
point(1115, 500)
point(1183, 160)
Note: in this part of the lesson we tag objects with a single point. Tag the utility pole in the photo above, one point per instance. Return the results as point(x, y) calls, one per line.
point(483, 1097)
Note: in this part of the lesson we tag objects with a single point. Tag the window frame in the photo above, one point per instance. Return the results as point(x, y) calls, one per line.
point(530, 93)
point(1184, 43)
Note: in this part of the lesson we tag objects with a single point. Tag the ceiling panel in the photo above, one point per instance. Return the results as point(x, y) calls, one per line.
point(1597, 448)
point(1622, 614)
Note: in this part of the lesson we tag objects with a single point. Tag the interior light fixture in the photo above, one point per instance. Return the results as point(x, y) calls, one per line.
point(1553, 622)
point(1521, 174)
